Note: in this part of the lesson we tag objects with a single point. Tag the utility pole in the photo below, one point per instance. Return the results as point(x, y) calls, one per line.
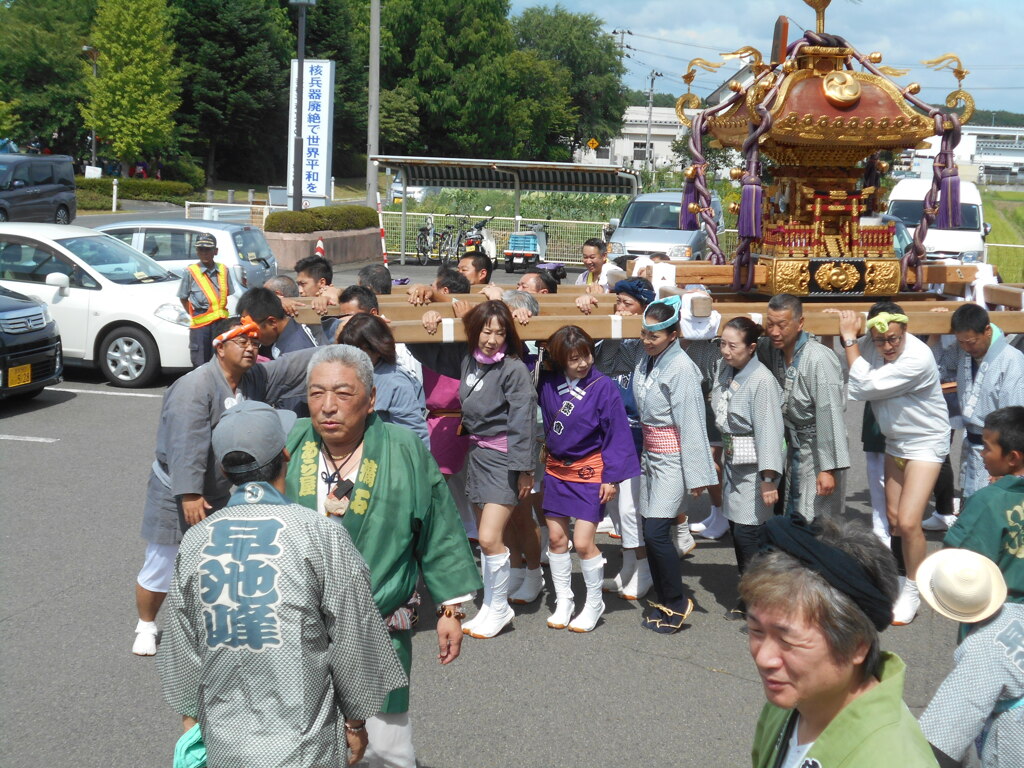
point(648, 150)
point(93, 54)
point(373, 122)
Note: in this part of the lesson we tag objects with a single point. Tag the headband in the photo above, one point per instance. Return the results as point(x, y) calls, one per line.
point(247, 328)
point(795, 537)
point(672, 301)
point(635, 288)
point(880, 322)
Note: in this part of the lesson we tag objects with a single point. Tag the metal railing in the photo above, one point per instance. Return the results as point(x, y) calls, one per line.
point(237, 213)
point(564, 237)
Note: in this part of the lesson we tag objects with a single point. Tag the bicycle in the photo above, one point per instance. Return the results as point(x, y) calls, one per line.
point(426, 242)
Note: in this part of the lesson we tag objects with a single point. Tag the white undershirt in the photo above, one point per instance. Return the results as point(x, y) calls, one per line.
point(795, 752)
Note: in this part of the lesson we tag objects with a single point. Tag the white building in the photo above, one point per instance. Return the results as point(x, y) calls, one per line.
point(629, 148)
point(990, 154)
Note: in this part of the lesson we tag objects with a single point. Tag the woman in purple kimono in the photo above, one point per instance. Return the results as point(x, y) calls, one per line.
point(589, 450)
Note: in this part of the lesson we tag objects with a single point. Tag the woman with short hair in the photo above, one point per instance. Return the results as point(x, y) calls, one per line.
point(589, 451)
point(816, 602)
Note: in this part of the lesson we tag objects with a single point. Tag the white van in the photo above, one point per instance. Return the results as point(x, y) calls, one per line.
point(966, 243)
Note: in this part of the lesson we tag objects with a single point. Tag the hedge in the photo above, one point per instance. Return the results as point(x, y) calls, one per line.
point(136, 189)
point(336, 218)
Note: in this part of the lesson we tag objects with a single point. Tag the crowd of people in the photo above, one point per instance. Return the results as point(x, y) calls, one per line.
point(412, 454)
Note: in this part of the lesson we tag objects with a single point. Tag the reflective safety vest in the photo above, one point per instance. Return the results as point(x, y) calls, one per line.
point(217, 304)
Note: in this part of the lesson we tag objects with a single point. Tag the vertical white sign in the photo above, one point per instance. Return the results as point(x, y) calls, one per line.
point(317, 127)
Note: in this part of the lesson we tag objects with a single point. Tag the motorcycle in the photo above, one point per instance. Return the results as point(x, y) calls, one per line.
point(526, 249)
point(480, 239)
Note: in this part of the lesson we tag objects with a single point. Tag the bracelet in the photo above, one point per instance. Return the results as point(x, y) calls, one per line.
point(451, 612)
point(847, 343)
point(361, 728)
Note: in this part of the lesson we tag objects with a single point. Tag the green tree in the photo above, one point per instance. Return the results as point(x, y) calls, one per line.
point(40, 67)
point(10, 121)
point(576, 42)
point(399, 119)
point(132, 101)
point(637, 98)
point(235, 54)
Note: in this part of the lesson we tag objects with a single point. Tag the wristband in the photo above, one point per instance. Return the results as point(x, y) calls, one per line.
point(361, 728)
point(847, 343)
point(451, 612)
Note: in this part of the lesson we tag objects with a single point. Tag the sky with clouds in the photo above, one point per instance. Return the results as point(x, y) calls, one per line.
point(988, 35)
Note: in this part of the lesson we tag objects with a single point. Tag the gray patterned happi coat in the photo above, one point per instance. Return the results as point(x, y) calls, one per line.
point(812, 410)
point(273, 638)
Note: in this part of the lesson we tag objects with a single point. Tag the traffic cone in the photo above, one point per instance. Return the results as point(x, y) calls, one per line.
point(319, 250)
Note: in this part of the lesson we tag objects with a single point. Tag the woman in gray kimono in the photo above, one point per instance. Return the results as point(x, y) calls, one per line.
point(499, 407)
point(747, 403)
point(676, 457)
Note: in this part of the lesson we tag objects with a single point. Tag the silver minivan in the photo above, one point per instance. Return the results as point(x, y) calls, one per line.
point(650, 227)
point(240, 247)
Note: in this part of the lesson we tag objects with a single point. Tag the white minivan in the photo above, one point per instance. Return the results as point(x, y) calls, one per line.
point(966, 243)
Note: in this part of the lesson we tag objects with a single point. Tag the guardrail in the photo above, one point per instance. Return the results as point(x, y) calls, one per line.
point(237, 213)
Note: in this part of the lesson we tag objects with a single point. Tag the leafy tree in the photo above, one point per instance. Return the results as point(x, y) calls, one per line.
point(40, 67)
point(10, 122)
point(133, 99)
point(235, 56)
point(399, 119)
point(589, 55)
point(637, 98)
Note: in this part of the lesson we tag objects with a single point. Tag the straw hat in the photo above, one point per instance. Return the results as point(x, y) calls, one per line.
point(961, 585)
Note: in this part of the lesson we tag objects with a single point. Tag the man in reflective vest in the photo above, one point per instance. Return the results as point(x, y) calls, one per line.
point(204, 294)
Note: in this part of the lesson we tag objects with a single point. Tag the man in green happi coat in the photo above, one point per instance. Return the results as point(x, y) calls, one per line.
point(381, 483)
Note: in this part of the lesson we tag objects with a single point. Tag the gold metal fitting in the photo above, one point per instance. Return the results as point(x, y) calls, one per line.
point(789, 66)
point(882, 166)
point(914, 88)
point(734, 208)
point(690, 172)
point(735, 86)
point(875, 57)
point(693, 207)
point(735, 174)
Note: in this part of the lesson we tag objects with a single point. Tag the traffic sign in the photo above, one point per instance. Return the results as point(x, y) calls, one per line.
point(593, 144)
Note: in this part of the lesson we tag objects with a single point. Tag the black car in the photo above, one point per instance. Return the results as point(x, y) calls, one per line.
point(30, 353)
point(37, 188)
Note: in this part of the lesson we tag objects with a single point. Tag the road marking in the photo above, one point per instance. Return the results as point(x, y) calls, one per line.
point(102, 392)
point(25, 439)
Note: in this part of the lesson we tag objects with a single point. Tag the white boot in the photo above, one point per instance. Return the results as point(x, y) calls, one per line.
point(606, 526)
point(906, 605)
point(683, 540)
point(623, 576)
point(467, 626)
point(145, 638)
point(530, 588)
point(715, 526)
point(640, 583)
point(515, 579)
point(587, 619)
point(499, 613)
point(938, 522)
point(561, 578)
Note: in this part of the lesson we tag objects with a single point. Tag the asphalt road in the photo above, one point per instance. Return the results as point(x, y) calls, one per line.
point(74, 464)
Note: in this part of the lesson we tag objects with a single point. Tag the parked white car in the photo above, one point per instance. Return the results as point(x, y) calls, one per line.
point(117, 309)
point(966, 243)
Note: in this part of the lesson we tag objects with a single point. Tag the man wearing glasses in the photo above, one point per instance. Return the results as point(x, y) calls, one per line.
point(184, 482)
point(896, 372)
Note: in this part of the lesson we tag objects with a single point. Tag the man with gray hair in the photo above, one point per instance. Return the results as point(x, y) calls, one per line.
point(380, 483)
point(272, 618)
point(812, 409)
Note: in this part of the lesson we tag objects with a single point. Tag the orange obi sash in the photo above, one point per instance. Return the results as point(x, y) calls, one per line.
point(661, 439)
point(589, 469)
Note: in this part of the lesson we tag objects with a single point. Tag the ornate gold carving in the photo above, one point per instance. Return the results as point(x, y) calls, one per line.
point(948, 61)
point(953, 101)
point(841, 88)
point(757, 64)
point(791, 276)
point(882, 277)
point(836, 276)
point(819, 7)
point(686, 101)
point(894, 71)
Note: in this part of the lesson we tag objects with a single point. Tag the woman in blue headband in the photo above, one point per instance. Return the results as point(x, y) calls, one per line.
point(676, 459)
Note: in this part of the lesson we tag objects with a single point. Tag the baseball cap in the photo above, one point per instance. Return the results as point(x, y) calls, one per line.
point(206, 240)
point(253, 428)
point(961, 585)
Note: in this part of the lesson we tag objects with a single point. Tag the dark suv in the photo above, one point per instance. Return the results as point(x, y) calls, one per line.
point(37, 188)
point(30, 352)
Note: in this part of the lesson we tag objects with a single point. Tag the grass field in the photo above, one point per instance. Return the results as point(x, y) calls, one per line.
point(1005, 212)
